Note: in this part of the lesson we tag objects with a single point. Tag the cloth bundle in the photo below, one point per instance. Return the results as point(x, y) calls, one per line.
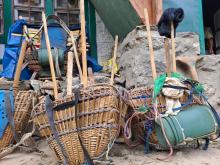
point(174, 15)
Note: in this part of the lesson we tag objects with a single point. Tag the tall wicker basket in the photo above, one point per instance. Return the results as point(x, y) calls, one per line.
point(23, 107)
point(99, 114)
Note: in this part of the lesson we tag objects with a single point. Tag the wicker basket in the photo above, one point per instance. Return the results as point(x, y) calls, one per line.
point(99, 114)
point(23, 107)
point(142, 96)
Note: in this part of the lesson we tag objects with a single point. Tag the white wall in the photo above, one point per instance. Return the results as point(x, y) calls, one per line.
point(105, 41)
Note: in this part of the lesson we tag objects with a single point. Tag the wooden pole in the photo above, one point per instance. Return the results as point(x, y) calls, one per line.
point(83, 42)
point(76, 55)
point(49, 55)
point(69, 73)
point(19, 64)
point(167, 56)
point(173, 47)
point(114, 60)
point(153, 66)
point(20, 60)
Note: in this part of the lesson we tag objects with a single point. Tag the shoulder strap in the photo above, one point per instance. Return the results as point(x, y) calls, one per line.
point(62, 107)
point(50, 115)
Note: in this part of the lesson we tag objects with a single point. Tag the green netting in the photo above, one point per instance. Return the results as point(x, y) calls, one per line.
point(159, 82)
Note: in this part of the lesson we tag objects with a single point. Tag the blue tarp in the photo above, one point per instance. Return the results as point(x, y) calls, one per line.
point(12, 51)
point(3, 111)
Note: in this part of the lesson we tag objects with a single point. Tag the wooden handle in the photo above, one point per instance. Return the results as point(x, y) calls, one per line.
point(83, 42)
point(114, 60)
point(173, 47)
point(19, 64)
point(153, 67)
point(69, 73)
point(76, 55)
point(167, 56)
point(49, 55)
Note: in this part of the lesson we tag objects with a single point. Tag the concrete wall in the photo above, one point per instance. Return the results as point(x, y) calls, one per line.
point(105, 41)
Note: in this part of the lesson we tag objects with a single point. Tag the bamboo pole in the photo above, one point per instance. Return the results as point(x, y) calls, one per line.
point(153, 66)
point(114, 60)
point(76, 55)
point(49, 55)
point(167, 56)
point(69, 73)
point(173, 47)
point(20, 59)
point(83, 42)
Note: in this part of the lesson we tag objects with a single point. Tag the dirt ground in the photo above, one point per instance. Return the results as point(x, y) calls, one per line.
point(121, 155)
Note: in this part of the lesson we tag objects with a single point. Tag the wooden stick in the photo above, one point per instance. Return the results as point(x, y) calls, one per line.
point(76, 55)
point(83, 42)
point(19, 64)
point(173, 47)
point(49, 55)
point(167, 55)
point(91, 76)
point(114, 60)
point(69, 73)
point(153, 67)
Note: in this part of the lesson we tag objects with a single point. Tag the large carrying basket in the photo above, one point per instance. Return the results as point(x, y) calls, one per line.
point(99, 115)
point(23, 106)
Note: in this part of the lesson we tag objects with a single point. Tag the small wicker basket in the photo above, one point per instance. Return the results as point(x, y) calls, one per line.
point(23, 107)
point(142, 96)
point(99, 114)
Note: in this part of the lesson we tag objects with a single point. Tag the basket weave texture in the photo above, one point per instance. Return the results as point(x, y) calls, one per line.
point(99, 116)
point(23, 107)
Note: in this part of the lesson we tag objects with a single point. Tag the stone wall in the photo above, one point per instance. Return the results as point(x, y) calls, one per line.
point(134, 60)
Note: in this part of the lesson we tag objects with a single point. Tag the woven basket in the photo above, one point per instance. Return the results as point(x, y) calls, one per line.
point(99, 114)
point(142, 96)
point(23, 107)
